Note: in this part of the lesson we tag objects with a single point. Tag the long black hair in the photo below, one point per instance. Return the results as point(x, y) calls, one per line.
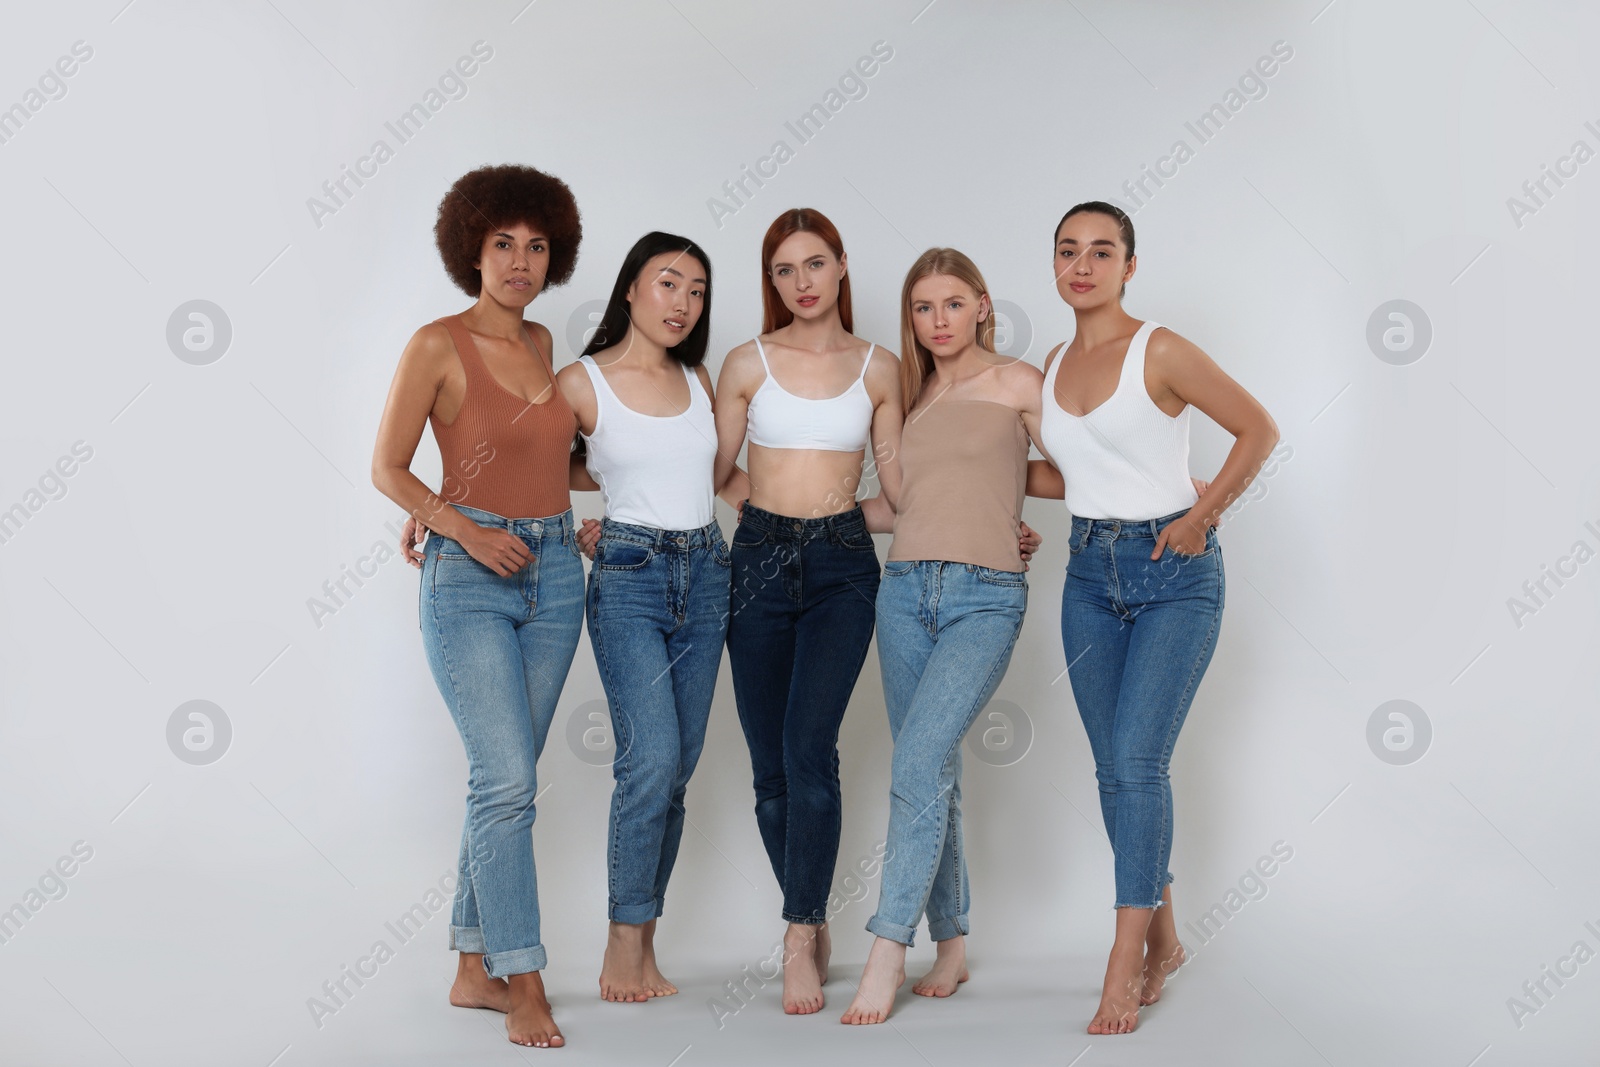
point(691, 351)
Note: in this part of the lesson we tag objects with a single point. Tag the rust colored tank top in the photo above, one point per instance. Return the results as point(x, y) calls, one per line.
point(503, 454)
point(963, 470)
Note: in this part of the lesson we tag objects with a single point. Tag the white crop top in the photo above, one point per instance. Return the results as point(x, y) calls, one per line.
point(653, 470)
point(1126, 459)
point(779, 419)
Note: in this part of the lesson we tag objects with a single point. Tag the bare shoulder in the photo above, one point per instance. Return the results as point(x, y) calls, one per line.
point(430, 349)
point(573, 380)
point(1168, 349)
point(741, 368)
point(1050, 357)
point(1020, 374)
point(703, 373)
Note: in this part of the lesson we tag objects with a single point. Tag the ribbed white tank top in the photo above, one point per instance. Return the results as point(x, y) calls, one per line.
point(779, 419)
point(653, 470)
point(1126, 459)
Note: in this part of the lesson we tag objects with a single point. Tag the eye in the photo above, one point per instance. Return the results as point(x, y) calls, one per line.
point(783, 270)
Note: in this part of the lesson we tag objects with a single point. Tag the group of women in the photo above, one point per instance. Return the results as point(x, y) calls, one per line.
point(798, 594)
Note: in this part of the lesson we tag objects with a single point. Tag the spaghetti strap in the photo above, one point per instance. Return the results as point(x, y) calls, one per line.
point(763, 354)
point(866, 362)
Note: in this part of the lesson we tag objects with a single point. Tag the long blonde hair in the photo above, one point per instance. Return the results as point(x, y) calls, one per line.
point(916, 362)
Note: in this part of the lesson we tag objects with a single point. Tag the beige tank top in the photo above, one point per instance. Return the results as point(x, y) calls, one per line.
point(964, 474)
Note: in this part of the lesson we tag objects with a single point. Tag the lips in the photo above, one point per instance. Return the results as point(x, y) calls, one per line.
point(519, 283)
point(674, 324)
point(806, 301)
point(1081, 287)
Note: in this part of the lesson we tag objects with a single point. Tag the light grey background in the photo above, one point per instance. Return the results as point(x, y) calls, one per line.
point(1376, 564)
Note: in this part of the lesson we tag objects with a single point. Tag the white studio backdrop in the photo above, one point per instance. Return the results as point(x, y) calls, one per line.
point(1384, 239)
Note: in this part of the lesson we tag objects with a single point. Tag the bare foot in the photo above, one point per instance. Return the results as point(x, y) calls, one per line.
point(1119, 998)
point(949, 969)
point(473, 988)
point(802, 985)
point(653, 980)
point(884, 975)
point(1160, 962)
point(529, 1021)
point(622, 971)
point(824, 951)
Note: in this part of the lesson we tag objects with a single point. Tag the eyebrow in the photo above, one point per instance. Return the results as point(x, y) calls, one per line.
point(679, 273)
point(807, 259)
point(1074, 240)
point(535, 237)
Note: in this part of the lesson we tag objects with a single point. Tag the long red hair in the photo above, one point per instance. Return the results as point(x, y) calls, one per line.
point(775, 313)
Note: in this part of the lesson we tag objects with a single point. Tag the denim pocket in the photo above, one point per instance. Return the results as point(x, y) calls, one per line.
point(720, 553)
point(895, 568)
point(1012, 579)
point(857, 539)
point(747, 537)
point(615, 554)
point(1077, 542)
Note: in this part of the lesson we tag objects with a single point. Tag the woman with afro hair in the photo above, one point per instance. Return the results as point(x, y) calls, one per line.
point(501, 602)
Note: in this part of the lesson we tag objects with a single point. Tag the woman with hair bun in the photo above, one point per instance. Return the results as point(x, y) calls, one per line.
point(501, 603)
point(1142, 604)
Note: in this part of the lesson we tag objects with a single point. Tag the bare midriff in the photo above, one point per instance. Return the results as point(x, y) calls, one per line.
point(805, 483)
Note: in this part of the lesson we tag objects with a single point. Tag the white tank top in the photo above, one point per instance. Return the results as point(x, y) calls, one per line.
point(1126, 459)
point(779, 419)
point(653, 470)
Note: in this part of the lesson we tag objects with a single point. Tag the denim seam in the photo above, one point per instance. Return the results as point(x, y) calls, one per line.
point(619, 794)
point(949, 753)
point(1171, 743)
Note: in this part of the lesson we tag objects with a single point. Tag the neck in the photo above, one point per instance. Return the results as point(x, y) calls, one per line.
point(820, 334)
point(637, 349)
point(1099, 324)
point(955, 368)
point(494, 319)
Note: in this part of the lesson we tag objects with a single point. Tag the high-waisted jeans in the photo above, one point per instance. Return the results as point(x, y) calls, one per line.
point(804, 596)
point(1138, 634)
point(945, 635)
point(499, 649)
point(658, 613)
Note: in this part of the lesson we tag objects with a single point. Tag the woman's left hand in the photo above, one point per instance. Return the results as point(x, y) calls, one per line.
point(1029, 543)
point(1183, 535)
point(588, 537)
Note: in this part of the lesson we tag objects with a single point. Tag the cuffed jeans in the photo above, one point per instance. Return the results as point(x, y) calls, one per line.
point(803, 605)
point(499, 649)
point(658, 613)
point(945, 636)
point(1138, 634)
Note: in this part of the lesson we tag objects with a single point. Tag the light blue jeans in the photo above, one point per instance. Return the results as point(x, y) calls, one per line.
point(658, 613)
point(499, 649)
point(1139, 634)
point(945, 635)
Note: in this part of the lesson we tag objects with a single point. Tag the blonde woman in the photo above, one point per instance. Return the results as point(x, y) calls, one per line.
point(950, 605)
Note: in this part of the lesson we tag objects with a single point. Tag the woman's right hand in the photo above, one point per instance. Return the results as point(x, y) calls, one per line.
point(497, 549)
point(410, 538)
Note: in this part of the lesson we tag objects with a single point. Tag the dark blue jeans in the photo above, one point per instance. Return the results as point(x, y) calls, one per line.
point(803, 601)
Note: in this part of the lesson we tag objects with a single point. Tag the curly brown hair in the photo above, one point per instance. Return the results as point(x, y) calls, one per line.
point(490, 198)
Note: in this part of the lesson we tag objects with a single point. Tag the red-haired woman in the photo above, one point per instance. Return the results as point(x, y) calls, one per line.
point(502, 583)
point(811, 397)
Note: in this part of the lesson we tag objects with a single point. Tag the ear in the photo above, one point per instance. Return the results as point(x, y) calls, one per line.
point(844, 264)
point(984, 307)
point(1133, 265)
